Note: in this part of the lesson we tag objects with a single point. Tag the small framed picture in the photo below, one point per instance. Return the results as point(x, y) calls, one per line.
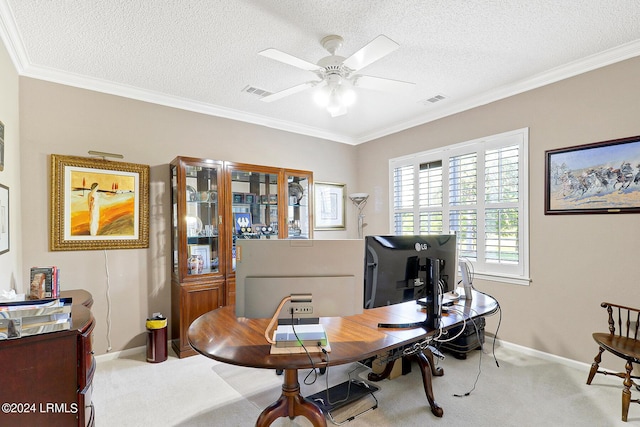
point(329, 213)
point(242, 222)
point(205, 252)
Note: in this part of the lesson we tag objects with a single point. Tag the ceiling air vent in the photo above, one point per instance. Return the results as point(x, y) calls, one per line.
point(255, 91)
point(432, 100)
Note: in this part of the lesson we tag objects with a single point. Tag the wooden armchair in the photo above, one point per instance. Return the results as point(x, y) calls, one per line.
point(624, 343)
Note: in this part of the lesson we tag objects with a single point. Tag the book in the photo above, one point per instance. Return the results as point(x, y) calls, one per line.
point(50, 284)
point(37, 287)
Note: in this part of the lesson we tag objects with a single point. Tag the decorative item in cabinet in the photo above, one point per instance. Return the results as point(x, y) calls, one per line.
point(299, 204)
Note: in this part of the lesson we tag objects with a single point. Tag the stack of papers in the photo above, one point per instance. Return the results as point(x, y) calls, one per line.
point(20, 319)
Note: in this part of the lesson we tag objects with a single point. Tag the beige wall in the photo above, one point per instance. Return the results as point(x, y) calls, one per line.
point(10, 262)
point(577, 261)
point(70, 121)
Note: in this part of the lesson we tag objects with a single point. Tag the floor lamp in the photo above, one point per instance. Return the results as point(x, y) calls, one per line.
point(359, 200)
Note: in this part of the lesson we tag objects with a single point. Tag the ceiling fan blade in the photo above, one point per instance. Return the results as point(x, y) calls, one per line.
point(286, 92)
point(278, 55)
point(377, 48)
point(385, 85)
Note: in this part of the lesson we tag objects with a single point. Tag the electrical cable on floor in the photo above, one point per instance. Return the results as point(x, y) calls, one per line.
point(304, 347)
point(326, 380)
point(106, 268)
point(479, 361)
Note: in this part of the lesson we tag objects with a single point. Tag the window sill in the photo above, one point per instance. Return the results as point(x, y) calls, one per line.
point(503, 278)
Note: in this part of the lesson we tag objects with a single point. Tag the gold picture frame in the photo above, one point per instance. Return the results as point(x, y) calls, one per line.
point(98, 204)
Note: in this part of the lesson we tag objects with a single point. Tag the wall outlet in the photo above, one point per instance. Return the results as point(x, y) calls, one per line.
point(301, 309)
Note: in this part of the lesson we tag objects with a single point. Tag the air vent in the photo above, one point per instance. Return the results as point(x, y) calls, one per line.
point(255, 91)
point(432, 100)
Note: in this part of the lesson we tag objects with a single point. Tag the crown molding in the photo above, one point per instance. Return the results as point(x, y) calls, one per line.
point(572, 69)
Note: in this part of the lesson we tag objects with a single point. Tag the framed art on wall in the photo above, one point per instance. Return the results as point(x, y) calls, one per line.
point(329, 206)
point(602, 177)
point(4, 219)
point(98, 204)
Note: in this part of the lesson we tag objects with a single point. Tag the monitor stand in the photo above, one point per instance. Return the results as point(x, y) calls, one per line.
point(431, 321)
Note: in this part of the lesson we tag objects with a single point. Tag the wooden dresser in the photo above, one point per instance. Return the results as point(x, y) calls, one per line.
point(47, 379)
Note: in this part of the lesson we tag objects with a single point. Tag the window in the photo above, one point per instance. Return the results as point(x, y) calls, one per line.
point(477, 189)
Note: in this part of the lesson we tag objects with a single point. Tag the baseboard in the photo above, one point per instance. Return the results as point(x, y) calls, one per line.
point(537, 353)
point(128, 352)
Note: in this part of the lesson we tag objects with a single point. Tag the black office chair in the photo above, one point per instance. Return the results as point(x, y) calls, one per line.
point(624, 342)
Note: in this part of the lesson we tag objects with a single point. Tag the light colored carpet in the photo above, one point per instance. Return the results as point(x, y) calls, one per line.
point(196, 391)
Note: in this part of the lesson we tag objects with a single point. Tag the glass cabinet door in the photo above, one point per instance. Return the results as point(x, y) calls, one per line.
point(196, 218)
point(202, 219)
point(254, 204)
point(298, 197)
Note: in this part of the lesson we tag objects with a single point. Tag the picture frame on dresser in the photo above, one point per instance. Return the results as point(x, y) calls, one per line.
point(98, 204)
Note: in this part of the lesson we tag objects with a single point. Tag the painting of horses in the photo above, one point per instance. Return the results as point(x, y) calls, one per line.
point(98, 204)
point(602, 177)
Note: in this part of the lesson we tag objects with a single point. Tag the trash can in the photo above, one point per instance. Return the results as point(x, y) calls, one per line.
point(156, 338)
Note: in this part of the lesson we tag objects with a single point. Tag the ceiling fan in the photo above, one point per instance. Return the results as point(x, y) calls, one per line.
point(338, 75)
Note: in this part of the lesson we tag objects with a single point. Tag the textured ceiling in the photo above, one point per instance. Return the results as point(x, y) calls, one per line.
point(200, 54)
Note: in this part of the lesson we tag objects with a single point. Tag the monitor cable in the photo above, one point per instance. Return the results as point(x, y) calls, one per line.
point(304, 347)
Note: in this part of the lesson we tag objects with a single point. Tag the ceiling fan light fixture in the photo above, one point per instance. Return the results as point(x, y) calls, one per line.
point(336, 96)
point(348, 95)
point(335, 104)
point(322, 95)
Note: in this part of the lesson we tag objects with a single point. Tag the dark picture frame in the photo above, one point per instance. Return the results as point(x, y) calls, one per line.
point(597, 178)
point(98, 204)
point(4, 219)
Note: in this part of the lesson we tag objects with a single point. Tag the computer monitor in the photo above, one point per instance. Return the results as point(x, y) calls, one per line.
point(269, 270)
point(405, 268)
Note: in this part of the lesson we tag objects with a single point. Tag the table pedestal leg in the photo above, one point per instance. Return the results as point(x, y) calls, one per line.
point(291, 404)
point(428, 369)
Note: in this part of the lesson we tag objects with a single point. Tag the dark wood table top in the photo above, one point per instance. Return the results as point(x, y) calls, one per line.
point(220, 335)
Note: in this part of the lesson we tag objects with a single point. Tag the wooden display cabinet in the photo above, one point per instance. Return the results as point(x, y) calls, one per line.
point(215, 203)
point(198, 276)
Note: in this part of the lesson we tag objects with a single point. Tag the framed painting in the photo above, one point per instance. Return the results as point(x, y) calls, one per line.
point(597, 178)
point(4, 219)
point(98, 204)
point(329, 202)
